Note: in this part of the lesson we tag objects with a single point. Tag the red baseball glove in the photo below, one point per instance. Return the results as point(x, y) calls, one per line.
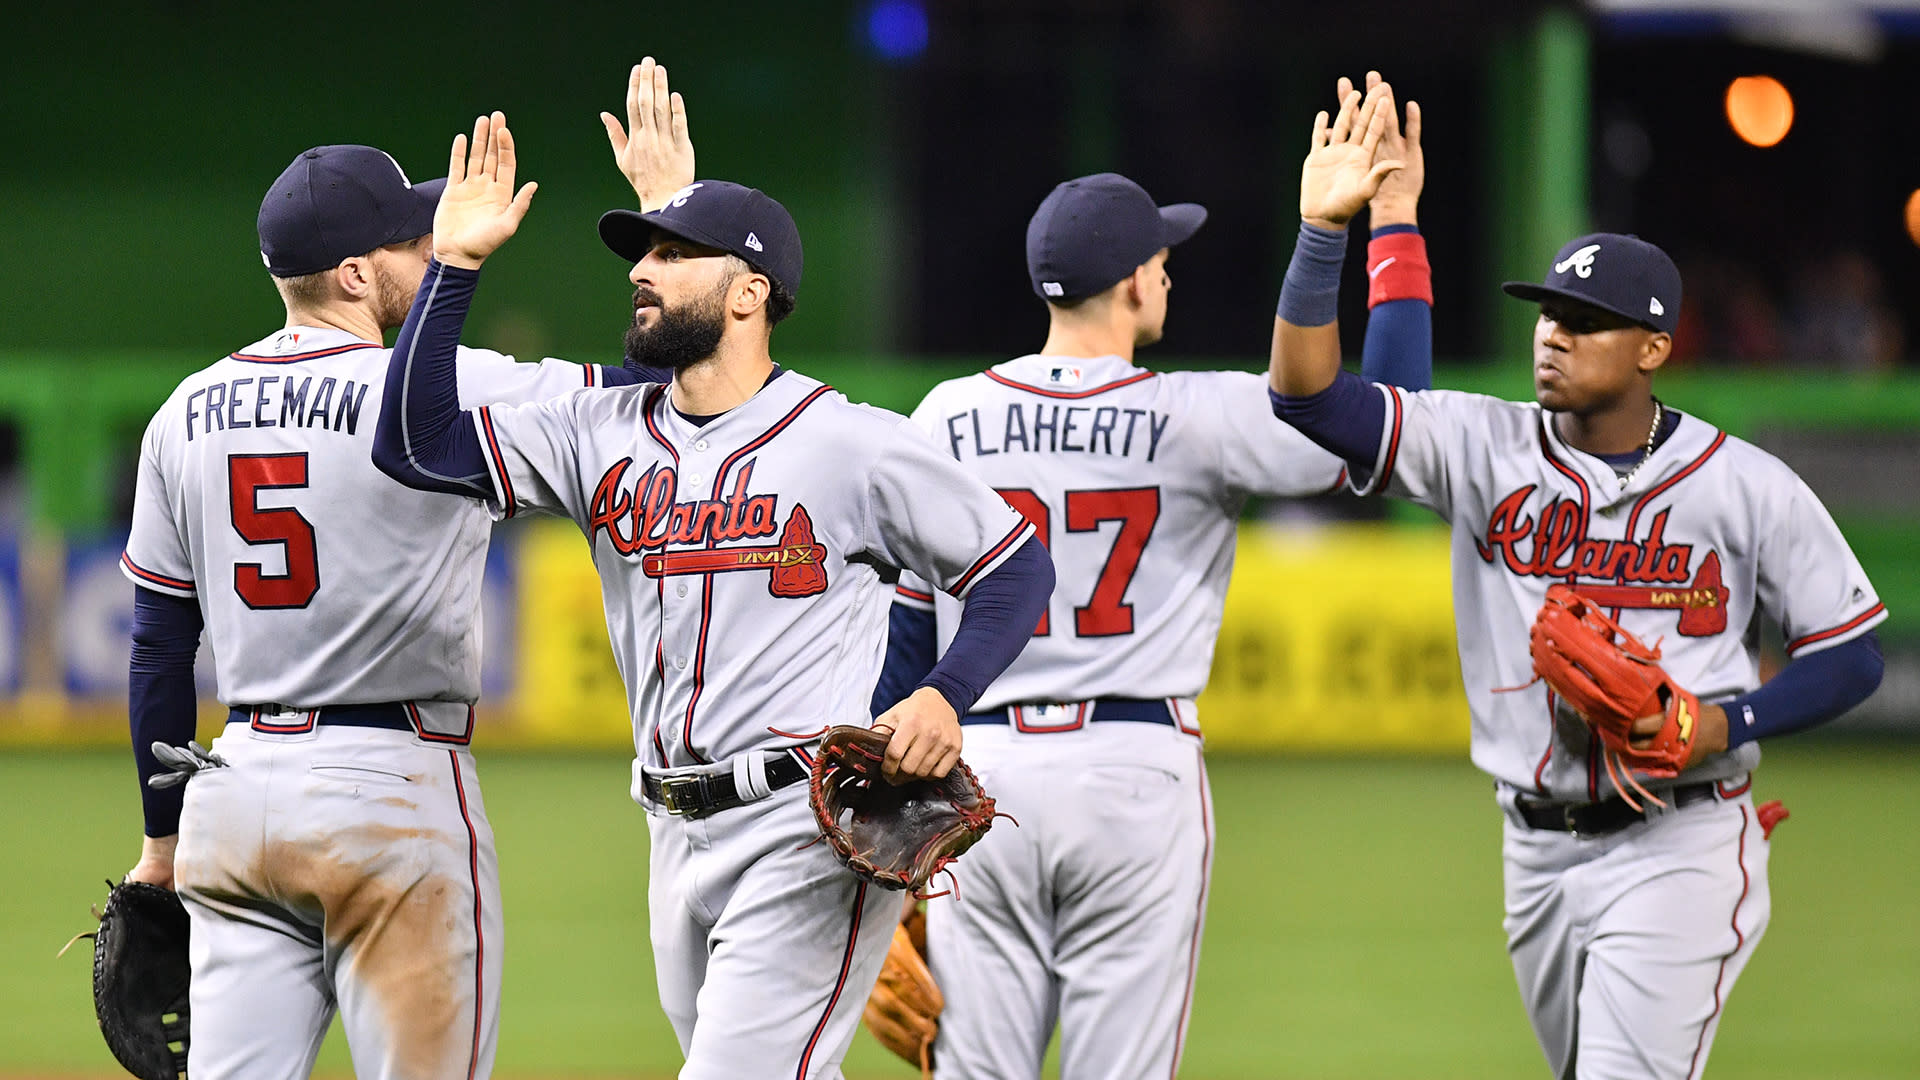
point(897, 836)
point(1612, 679)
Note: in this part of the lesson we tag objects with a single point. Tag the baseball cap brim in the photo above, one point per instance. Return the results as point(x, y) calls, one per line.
point(419, 223)
point(629, 233)
point(1180, 221)
point(1533, 290)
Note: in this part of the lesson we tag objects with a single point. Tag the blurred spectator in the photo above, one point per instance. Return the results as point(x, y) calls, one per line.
point(1838, 318)
point(1728, 315)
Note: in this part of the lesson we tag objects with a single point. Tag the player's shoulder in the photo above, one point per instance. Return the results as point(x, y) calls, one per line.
point(1704, 444)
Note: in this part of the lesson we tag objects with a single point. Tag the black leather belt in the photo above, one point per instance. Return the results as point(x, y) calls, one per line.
point(1606, 816)
point(698, 794)
point(1137, 710)
point(385, 714)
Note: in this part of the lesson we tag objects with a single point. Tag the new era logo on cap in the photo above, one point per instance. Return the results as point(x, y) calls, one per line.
point(754, 243)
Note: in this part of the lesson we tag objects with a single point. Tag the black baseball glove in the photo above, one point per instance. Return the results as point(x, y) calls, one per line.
point(140, 973)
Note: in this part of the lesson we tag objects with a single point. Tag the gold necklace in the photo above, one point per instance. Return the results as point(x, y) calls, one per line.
point(1659, 414)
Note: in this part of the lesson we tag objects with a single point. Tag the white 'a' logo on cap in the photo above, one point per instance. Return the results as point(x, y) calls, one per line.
point(1654, 305)
point(680, 197)
point(1581, 262)
point(754, 242)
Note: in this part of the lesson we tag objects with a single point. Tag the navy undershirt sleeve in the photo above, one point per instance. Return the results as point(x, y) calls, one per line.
point(1347, 418)
point(160, 697)
point(423, 438)
point(1809, 691)
point(1399, 344)
point(1001, 611)
point(634, 375)
point(912, 640)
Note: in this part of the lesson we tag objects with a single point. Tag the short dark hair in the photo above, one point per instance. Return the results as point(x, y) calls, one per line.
point(780, 303)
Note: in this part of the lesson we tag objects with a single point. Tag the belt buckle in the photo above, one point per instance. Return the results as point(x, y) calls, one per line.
point(683, 795)
point(1567, 817)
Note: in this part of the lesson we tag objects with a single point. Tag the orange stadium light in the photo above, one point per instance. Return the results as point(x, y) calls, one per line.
point(1760, 109)
point(1913, 216)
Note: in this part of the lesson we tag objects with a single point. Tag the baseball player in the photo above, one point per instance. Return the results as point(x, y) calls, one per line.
point(333, 853)
point(1091, 912)
point(1627, 926)
point(747, 522)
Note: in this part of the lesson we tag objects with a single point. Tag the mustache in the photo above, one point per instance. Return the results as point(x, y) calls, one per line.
point(645, 297)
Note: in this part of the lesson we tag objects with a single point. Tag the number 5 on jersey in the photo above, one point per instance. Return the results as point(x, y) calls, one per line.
point(247, 474)
point(1106, 613)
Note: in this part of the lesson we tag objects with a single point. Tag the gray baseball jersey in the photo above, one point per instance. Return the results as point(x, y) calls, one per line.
point(322, 582)
point(716, 545)
point(1709, 531)
point(1136, 480)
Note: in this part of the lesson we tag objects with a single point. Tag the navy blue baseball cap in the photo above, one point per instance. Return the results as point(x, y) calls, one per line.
point(1613, 272)
point(1091, 232)
point(335, 202)
point(738, 220)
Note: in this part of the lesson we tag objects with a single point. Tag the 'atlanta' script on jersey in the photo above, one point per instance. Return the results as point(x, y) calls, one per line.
point(648, 518)
point(1652, 573)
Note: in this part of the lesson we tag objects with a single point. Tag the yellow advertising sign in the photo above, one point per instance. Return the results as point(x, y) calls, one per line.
point(1337, 638)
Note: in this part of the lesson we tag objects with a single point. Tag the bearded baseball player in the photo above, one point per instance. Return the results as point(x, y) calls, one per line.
point(333, 851)
point(1136, 480)
point(747, 523)
point(1636, 861)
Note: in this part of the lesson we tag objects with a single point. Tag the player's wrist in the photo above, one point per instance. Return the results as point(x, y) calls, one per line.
point(1386, 212)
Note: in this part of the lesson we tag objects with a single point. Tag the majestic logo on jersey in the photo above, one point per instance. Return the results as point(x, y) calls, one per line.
point(1580, 262)
point(1648, 573)
point(648, 519)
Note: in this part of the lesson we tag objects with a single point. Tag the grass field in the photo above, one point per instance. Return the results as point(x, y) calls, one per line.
point(1354, 929)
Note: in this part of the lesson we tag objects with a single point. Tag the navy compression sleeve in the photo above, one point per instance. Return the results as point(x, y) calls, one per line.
point(1346, 418)
point(160, 698)
point(913, 640)
point(423, 439)
point(1811, 690)
point(1399, 344)
point(1001, 611)
point(633, 376)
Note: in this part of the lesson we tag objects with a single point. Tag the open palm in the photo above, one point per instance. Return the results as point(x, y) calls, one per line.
point(479, 209)
point(653, 150)
point(1340, 175)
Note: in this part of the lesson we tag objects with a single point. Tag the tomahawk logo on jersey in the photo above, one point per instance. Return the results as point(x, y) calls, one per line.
point(259, 469)
point(1135, 480)
point(1685, 552)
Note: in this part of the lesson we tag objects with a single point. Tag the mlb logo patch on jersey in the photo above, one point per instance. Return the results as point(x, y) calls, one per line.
point(1064, 376)
point(285, 341)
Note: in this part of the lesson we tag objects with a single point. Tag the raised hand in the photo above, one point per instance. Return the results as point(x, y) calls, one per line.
point(479, 208)
point(1340, 173)
point(1398, 200)
point(653, 150)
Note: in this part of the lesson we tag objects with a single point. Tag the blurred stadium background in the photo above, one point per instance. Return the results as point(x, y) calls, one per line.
point(1354, 926)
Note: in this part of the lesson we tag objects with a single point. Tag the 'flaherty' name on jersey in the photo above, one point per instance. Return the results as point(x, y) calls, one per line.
point(265, 401)
point(1038, 427)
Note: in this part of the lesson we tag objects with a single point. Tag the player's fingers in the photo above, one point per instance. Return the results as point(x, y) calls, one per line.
point(477, 146)
point(944, 763)
point(896, 749)
point(1376, 126)
point(1319, 138)
point(508, 163)
point(1413, 124)
point(616, 135)
point(1373, 79)
point(523, 201)
point(680, 137)
point(1379, 172)
point(640, 97)
point(1342, 88)
point(662, 101)
point(496, 128)
point(1343, 123)
point(457, 161)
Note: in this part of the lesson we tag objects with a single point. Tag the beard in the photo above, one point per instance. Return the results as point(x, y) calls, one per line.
point(392, 299)
point(681, 336)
